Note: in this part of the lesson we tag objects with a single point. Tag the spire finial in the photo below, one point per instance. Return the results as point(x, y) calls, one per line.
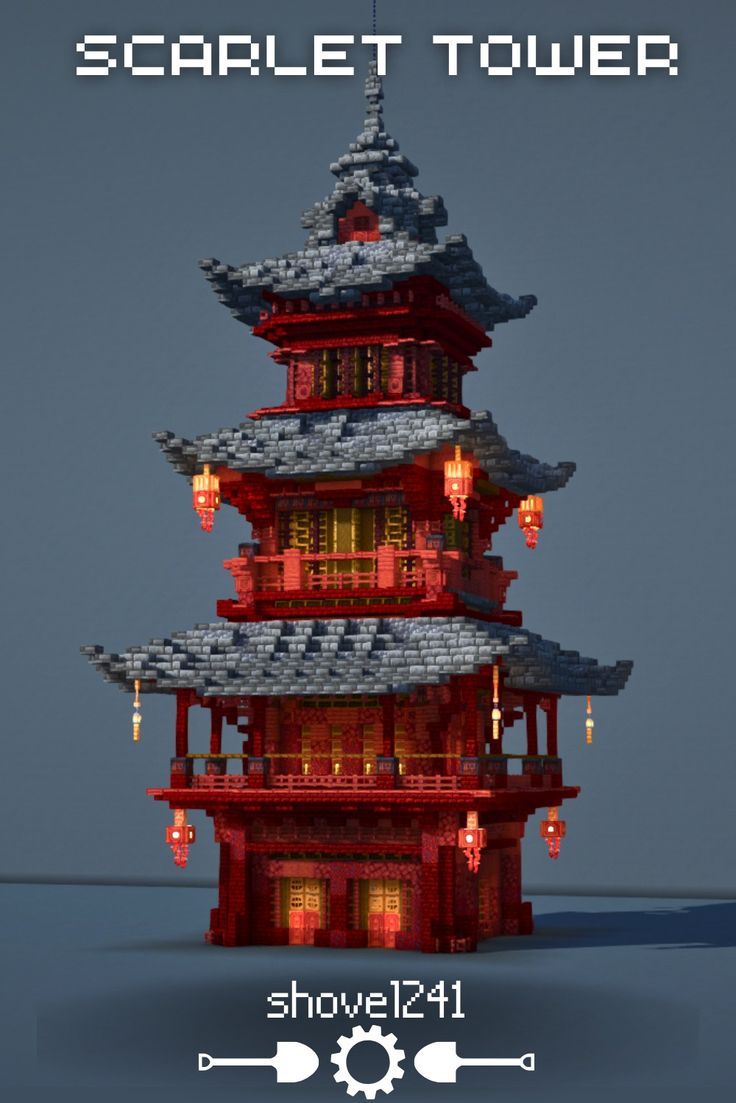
point(374, 95)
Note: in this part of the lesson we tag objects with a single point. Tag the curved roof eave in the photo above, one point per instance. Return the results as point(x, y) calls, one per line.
point(361, 441)
point(350, 657)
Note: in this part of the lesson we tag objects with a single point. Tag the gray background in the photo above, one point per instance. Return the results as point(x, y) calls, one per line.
point(610, 199)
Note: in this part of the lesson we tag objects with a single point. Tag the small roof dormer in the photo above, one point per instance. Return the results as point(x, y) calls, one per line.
point(373, 231)
point(376, 175)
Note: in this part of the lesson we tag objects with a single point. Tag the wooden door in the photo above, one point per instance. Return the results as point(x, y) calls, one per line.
point(384, 911)
point(341, 531)
point(303, 902)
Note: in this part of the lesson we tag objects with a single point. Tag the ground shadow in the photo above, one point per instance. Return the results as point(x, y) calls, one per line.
point(692, 926)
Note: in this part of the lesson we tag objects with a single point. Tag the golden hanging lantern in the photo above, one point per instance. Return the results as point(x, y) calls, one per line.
point(496, 714)
point(530, 515)
point(206, 496)
point(458, 483)
point(136, 712)
point(589, 722)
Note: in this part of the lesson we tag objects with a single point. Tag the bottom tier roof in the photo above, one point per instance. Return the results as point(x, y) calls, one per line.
point(370, 655)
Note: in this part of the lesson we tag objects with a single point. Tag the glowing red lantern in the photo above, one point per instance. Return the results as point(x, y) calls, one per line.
point(531, 519)
point(458, 483)
point(472, 839)
point(206, 496)
point(553, 832)
point(179, 836)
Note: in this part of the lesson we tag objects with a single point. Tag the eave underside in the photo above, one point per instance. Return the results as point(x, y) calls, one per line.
point(361, 442)
point(351, 657)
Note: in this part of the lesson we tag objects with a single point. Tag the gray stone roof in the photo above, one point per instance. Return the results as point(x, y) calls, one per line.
point(370, 655)
point(376, 173)
point(361, 441)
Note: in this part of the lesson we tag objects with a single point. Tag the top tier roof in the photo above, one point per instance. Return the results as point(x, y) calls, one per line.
point(376, 173)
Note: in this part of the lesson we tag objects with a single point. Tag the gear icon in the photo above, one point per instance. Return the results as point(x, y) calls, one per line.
point(395, 1056)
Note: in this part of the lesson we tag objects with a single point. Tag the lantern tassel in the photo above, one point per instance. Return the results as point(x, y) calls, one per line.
point(589, 723)
point(136, 712)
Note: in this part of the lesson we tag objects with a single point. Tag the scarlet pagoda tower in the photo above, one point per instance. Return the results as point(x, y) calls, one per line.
point(362, 680)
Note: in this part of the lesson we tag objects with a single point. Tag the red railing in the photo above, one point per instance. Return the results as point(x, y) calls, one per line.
point(298, 782)
point(422, 573)
point(429, 782)
point(549, 776)
point(323, 781)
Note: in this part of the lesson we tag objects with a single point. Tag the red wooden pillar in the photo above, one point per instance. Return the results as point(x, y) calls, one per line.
point(217, 915)
point(215, 728)
point(446, 879)
point(469, 704)
point(430, 894)
point(388, 716)
point(338, 907)
point(552, 727)
point(257, 725)
point(510, 888)
point(530, 711)
point(183, 701)
point(234, 929)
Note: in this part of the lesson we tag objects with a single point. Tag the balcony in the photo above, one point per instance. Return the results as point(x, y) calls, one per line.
point(388, 578)
point(332, 782)
point(501, 772)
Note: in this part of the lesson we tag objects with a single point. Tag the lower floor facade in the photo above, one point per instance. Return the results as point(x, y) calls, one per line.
point(369, 881)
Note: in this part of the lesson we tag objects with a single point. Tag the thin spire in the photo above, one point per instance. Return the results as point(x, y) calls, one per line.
point(375, 47)
point(373, 95)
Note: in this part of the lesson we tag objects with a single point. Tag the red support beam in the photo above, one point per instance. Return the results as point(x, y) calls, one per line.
point(552, 727)
point(215, 728)
point(470, 719)
point(530, 711)
point(257, 725)
point(184, 699)
point(388, 716)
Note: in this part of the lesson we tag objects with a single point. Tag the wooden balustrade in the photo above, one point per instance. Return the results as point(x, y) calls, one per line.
point(428, 571)
point(547, 774)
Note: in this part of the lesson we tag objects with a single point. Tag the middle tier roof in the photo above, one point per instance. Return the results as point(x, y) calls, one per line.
point(361, 441)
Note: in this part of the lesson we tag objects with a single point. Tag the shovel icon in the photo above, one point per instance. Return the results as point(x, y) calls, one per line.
point(439, 1062)
point(293, 1062)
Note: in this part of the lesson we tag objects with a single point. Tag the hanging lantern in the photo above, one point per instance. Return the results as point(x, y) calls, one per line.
point(179, 836)
point(553, 832)
point(472, 839)
point(136, 712)
point(458, 483)
point(530, 515)
point(589, 723)
point(206, 496)
point(496, 714)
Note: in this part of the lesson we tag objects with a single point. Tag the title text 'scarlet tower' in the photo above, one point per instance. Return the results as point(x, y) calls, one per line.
point(361, 680)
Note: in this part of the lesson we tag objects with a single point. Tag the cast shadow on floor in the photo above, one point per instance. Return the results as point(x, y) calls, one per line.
point(695, 926)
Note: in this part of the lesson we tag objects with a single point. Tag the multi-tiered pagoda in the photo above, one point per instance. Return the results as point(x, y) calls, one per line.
point(362, 679)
